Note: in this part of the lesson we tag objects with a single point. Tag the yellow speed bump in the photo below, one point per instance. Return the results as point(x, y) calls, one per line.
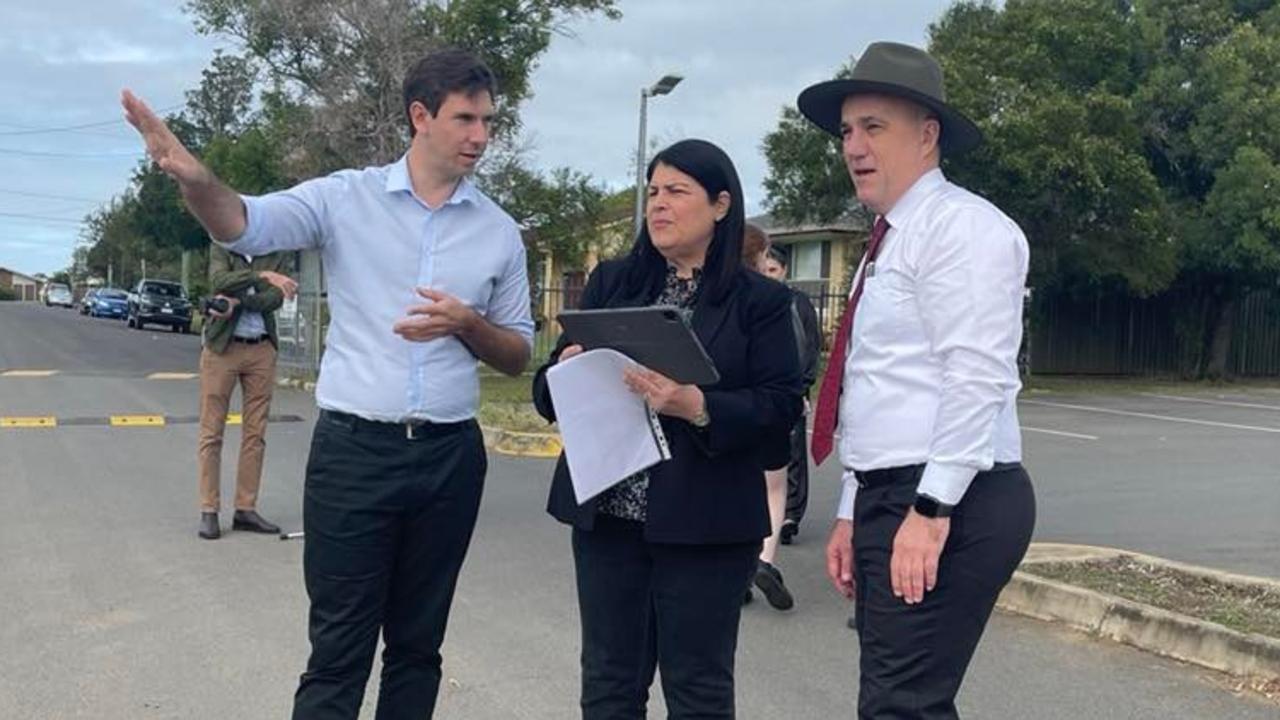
point(137, 421)
point(234, 419)
point(28, 422)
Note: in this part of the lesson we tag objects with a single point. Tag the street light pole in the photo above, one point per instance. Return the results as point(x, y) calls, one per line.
point(662, 87)
point(639, 216)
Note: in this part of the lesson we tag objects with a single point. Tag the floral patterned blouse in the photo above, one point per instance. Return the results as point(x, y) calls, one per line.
point(629, 499)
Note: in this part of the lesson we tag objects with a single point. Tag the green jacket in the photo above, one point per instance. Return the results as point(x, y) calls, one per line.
point(232, 275)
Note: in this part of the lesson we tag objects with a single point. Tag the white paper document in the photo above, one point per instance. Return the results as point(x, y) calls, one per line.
point(608, 432)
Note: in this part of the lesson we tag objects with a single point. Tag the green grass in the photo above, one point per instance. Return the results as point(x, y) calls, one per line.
point(505, 403)
point(1240, 607)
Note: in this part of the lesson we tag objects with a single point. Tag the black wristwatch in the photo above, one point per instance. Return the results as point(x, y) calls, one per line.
point(931, 507)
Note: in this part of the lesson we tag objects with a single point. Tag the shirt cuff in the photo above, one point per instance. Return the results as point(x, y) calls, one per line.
point(946, 482)
point(847, 495)
point(252, 220)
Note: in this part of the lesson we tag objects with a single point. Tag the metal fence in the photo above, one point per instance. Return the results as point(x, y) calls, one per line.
point(1104, 334)
point(1112, 334)
point(301, 322)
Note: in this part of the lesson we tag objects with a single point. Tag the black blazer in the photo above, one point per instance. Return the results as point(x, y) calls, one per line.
point(712, 489)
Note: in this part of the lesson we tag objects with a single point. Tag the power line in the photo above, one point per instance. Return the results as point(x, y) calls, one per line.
point(48, 197)
point(39, 153)
point(74, 128)
point(42, 218)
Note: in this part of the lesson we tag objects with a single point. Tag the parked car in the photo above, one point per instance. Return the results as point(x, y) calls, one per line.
point(159, 302)
point(108, 302)
point(58, 294)
point(86, 302)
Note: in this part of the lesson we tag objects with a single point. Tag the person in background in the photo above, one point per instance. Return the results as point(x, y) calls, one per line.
point(755, 249)
point(775, 266)
point(240, 346)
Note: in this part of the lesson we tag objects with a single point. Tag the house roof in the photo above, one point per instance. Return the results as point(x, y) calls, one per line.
point(847, 223)
point(16, 274)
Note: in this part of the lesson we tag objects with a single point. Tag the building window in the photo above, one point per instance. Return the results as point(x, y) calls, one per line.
point(807, 261)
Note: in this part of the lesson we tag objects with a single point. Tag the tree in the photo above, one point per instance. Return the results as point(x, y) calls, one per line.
point(337, 65)
point(561, 212)
point(1051, 84)
point(807, 180)
point(1212, 99)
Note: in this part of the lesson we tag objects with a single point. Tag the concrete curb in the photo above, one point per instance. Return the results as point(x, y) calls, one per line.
point(1143, 626)
point(506, 442)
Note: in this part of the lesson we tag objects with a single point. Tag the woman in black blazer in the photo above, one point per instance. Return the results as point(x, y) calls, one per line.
point(664, 558)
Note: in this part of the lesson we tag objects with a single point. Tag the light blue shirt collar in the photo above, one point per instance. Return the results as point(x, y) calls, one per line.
point(398, 181)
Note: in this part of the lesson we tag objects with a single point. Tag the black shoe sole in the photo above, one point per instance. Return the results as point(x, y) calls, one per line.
point(207, 536)
point(775, 593)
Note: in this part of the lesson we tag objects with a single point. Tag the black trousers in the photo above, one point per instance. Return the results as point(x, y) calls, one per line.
point(798, 472)
point(914, 657)
point(645, 605)
point(388, 519)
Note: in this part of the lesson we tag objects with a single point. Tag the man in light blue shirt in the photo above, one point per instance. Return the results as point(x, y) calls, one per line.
point(426, 275)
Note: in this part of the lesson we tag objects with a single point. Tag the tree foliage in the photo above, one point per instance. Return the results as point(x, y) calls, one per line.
point(337, 65)
point(1134, 141)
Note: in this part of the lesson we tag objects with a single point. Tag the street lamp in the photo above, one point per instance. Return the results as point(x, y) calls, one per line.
point(662, 87)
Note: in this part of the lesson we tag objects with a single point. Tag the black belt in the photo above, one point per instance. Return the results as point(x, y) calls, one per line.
point(250, 341)
point(410, 429)
point(904, 474)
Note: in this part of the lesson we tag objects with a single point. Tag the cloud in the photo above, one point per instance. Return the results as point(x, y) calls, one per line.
point(66, 60)
point(742, 62)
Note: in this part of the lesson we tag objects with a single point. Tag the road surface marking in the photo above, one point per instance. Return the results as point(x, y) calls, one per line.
point(1150, 416)
point(28, 373)
point(137, 421)
point(1225, 403)
point(28, 422)
point(1077, 436)
point(172, 376)
point(125, 421)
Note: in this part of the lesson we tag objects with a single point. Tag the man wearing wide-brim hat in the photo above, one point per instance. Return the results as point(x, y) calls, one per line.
point(937, 509)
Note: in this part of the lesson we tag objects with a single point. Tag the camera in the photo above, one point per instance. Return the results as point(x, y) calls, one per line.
point(212, 305)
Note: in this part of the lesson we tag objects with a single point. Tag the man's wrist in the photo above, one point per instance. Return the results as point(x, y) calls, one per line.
point(472, 322)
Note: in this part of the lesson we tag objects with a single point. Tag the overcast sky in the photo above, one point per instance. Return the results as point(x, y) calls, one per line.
point(64, 62)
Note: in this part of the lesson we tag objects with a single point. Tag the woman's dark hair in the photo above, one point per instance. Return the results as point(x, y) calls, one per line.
point(714, 171)
point(450, 70)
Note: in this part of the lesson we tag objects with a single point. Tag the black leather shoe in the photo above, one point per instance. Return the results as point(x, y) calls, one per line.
point(769, 580)
point(253, 522)
point(209, 529)
point(790, 528)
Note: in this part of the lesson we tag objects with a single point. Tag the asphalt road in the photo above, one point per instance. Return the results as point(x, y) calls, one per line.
point(112, 608)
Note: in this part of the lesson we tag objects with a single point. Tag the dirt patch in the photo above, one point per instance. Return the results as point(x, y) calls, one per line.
point(1245, 608)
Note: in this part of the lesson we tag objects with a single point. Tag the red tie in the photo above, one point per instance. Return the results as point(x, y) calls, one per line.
point(824, 417)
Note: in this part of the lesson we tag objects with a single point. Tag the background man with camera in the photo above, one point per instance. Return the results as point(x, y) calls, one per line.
point(239, 345)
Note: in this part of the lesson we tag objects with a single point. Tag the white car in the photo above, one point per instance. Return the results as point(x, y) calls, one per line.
point(58, 294)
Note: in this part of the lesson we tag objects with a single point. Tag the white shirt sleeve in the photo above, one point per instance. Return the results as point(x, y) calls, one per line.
point(970, 286)
point(848, 493)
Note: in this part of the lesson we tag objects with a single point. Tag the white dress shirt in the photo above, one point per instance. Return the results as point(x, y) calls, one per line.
point(931, 374)
point(379, 242)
